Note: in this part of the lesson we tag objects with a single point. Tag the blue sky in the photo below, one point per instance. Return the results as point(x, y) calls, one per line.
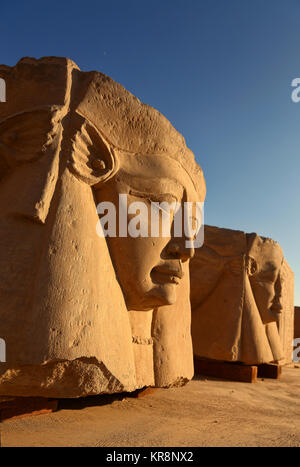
point(219, 70)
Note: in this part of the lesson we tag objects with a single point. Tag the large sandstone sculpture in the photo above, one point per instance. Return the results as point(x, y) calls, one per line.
point(82, 314)
point(242, 299)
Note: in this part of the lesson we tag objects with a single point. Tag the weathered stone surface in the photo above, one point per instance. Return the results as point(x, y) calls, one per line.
point(81, 314)
point(241, 296)
point(286, 318)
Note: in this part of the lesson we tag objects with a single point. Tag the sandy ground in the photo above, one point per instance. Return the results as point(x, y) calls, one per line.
point(205, 412)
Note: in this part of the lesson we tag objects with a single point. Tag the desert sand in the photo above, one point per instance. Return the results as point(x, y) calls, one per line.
point(205, 412)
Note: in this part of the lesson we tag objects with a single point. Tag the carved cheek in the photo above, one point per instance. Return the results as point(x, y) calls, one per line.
point(264, 293)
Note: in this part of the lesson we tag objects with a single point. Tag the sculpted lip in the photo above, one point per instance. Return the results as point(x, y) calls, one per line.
point(277, 308)
point(168, 272)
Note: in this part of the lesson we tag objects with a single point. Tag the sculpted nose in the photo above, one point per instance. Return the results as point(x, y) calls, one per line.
point(176, 249)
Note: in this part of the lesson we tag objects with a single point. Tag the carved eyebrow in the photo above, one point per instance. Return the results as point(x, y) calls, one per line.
point(152, 196)
point(269, 276)
point(268, 271)
point(144, 185)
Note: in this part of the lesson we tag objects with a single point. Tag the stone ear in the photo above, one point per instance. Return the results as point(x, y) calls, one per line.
point(93, 159)
point(252, 266)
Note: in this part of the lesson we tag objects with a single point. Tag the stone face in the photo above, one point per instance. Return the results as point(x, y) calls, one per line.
point(241, 296)
point(82, 314)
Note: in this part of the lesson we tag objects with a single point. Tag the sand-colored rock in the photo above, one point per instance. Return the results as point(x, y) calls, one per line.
point(83, 314)
point(242, 299)
point(286, 318)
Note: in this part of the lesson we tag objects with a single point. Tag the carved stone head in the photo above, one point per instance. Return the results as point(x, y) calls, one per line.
point(265, 262)
point(68, 141)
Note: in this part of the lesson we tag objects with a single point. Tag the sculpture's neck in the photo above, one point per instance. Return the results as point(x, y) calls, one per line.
point(141, 323)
